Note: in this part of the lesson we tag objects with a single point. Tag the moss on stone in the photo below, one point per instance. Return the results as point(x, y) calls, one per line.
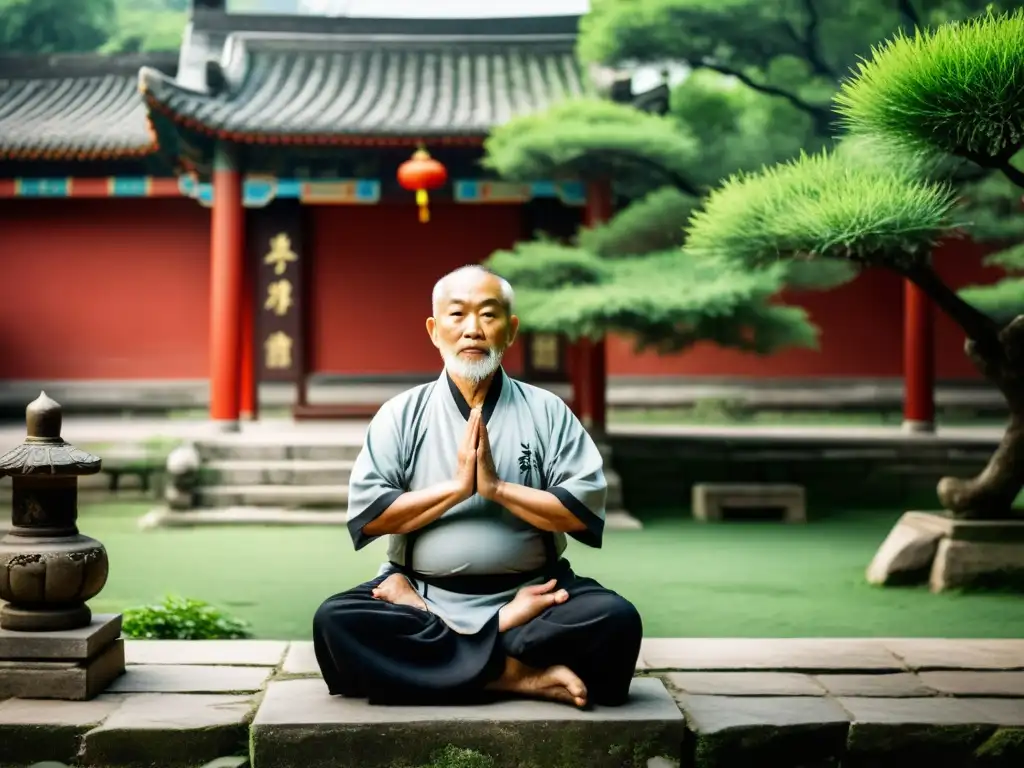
point(1004, 749)
point(451, 756)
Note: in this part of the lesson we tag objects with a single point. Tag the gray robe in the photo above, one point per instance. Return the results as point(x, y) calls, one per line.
point(412, 443)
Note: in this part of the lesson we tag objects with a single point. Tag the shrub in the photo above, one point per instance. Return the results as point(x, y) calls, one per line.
point(178, 618)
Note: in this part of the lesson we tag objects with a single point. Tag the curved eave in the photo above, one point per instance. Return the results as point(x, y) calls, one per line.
point(179, 105)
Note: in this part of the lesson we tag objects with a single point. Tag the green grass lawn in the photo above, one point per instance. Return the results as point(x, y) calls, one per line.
point(688, 580)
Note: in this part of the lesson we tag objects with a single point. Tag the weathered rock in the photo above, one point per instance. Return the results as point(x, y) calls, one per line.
point(255, 653)
point(897, 684)
point(967, 564)
point(35, 730)
point(789, 732)
point(745, 683)
point(68, 680)
point(170, 678)
point(300, 726)
point(777, 654)
point(907, 553)
point(169, 731)
point(936, 731)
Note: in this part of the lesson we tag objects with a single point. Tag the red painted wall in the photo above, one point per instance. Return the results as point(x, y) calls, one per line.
point(374, 269)
point(103, 289)
point(119, 289)
point(860, 332)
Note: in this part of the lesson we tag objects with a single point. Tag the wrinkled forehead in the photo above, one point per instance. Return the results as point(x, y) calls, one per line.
point(472, 288)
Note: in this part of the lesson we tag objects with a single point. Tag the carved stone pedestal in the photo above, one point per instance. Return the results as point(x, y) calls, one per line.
point(73, 665)
point(51, 646)
point(950, 554)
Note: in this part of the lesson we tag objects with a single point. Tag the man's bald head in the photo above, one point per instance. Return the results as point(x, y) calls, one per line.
point(469, 279)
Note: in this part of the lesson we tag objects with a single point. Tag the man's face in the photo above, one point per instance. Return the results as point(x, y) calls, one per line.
point(471, 326)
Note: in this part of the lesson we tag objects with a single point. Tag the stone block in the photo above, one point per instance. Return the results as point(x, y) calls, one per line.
point(719, 501)
point(783, 732)
point(169, 730)
point(937, 731)
point(254, 653)
point(67, 645)
point(35, 730)
point(170, 678)
point(745, 683)
point(947, 653)
point(70, 680)
point(300, 660)
point(299, 725)
point(959, 564)
point(907, 553)
point(777, 654)
point(897, 684)
point(976, 683)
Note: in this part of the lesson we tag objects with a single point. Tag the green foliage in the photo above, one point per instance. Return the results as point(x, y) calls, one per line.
point(958, 89)
point(587, 138)
point(179, 618)
point(147, 25)
point(827, 204)
point(664, 300)
point(646, 225)
point(457, 757)
point(54, 26)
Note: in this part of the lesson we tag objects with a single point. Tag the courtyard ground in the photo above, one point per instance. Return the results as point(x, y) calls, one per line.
point(688, 579)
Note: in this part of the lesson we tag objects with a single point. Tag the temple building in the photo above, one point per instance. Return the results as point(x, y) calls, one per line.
point(231, 216)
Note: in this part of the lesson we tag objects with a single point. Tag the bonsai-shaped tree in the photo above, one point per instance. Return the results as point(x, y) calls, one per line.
point(918, 103)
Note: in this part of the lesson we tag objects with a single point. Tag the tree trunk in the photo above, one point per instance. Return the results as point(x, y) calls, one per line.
point(991, 494)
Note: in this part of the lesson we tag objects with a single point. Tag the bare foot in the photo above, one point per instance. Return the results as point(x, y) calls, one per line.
point(558, 683)
point(529, 603)
point(397, 590)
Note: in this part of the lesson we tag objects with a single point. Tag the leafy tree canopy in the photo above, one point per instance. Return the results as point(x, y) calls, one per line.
point(54, 26)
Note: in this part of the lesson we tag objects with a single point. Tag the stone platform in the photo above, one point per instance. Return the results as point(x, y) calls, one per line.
point(697, 703)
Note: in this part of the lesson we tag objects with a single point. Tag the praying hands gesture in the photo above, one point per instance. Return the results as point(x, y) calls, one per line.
point(475, 472)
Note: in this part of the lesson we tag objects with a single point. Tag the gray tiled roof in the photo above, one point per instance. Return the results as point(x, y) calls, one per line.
point(390, 86)
point(46, 111)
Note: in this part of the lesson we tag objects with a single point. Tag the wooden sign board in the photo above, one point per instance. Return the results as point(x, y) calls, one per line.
point(276, 251)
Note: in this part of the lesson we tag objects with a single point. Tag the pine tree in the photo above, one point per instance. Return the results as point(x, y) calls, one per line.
point(917, 106)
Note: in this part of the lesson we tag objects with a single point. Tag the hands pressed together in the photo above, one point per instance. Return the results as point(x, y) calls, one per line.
point(475, 472)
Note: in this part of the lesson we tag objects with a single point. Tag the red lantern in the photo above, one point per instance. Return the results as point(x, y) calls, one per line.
point(419, 174)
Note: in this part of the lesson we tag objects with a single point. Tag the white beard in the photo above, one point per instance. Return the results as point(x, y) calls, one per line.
point(473, 371)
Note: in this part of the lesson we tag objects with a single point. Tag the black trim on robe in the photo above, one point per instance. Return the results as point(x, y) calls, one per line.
point(490, 402)
point(591, 535)
point(367, 516)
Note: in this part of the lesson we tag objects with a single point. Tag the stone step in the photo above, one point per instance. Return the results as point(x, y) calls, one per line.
point(250, 450)
point(277, 472)
point(282, 496)
point(297, 723)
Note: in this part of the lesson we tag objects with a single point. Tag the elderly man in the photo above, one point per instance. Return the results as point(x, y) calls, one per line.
point(477, 478)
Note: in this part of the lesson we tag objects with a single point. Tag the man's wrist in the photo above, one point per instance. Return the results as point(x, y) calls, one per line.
point(500, 492)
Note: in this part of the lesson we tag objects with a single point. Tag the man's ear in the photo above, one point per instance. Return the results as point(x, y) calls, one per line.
point(513, 329)
point(431, 330)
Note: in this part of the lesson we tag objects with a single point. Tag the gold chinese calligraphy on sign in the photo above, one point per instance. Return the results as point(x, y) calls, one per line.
point(279, 297)
point(277, 351)
point(280, 254)
point(276, 237)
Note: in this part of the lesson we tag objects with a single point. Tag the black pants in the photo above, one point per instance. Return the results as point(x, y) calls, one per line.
point(395, 654)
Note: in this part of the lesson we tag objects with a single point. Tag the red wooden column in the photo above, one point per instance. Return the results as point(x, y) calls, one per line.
point(918, 360)
point(227, 268)
point(589, 359)
point(248, 395)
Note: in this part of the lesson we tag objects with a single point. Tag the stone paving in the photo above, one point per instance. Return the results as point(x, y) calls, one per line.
point(697, 703)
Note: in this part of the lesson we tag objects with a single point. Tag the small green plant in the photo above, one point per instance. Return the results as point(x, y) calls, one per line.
point(180, 618)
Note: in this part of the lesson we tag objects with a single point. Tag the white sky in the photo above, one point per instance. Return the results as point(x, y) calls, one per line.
point(450, 8)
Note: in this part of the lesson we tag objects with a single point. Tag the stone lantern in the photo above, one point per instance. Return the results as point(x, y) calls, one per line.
point(51, 646)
